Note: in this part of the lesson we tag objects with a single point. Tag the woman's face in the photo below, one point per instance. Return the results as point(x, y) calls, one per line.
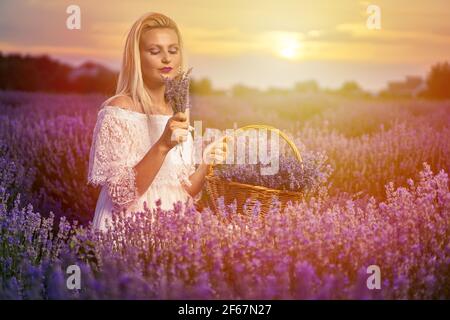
point(159, 48)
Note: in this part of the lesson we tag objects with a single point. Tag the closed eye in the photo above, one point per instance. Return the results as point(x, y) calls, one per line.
point(157, 52)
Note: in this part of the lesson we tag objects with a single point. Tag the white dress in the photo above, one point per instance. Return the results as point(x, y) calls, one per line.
point(120, 140)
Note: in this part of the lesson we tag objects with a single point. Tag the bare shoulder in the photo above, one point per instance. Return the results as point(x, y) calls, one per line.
point(124, 102)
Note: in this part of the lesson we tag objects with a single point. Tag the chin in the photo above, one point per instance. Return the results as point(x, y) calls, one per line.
point(166, 75)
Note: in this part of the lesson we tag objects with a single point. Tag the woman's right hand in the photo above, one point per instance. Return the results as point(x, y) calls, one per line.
point(176, 131)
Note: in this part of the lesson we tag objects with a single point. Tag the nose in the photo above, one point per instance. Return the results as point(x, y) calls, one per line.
point(165, 59)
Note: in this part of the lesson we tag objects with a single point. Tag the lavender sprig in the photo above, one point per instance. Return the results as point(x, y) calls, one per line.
point(177, 94)
point(177, 90)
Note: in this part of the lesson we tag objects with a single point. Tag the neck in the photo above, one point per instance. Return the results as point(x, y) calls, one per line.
point(157, 94)
point(156, 91)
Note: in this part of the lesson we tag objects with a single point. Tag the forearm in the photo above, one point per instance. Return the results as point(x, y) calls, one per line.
point(147, 169)
point(197, 179)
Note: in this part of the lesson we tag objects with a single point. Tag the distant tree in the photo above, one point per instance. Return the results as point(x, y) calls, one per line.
point(29, 73)
point(42, 73)
point(91, 77)
point(351, 88)
point(201, 87)
point(307, 86)
point(438, 81)
point(239, 90)
point(276, 91)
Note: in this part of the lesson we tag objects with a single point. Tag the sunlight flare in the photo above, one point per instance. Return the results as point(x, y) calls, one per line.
point(288, 45)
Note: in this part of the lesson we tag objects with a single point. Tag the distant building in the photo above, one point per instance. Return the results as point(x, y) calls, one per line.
point(412, 86)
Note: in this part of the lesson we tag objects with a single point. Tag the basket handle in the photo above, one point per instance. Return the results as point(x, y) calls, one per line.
point(270, 128)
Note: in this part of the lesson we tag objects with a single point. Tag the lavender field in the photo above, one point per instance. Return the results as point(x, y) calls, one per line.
point(383, 200)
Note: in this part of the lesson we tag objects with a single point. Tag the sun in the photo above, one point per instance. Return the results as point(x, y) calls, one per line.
point(289, 52)
point(284, 44)
point(290, 48)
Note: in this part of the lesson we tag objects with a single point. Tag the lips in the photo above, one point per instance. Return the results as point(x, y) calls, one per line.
point(165, 69)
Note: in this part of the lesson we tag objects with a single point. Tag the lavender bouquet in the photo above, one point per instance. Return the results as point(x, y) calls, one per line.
point(177, 91)
point(177, 94)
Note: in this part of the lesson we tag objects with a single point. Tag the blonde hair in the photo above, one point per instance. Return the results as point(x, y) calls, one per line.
point(131, 82)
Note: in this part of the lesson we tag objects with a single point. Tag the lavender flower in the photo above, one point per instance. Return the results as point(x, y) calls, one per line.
point(290, 177)
point(313, 249)
point(321, 253)
point(177, 90)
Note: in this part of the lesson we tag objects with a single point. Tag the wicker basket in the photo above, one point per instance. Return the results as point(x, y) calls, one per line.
point(217, 187)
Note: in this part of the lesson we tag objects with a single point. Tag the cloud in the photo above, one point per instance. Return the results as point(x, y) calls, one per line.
point(361, 33)
point(326, 31)
point(232, 41)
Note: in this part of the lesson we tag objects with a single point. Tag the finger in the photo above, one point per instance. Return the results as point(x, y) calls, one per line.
point(183, 125)
point(191, 128)
point(184, 133)
point(216, 145)
point(180, 116)
point(208, 159)
point(219, 159)
point(219, 152)
point(181, 132)
point(224, 145)
point(221, 146)
point(181, 138)
point(209, 148)
point(176, 134)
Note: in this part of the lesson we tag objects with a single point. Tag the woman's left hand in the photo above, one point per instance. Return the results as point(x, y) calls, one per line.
point(215, 152)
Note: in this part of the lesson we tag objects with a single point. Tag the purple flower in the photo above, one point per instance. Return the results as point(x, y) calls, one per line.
point(177, 90)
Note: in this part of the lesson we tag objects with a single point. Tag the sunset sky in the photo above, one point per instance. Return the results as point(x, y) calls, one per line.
point(258, 43)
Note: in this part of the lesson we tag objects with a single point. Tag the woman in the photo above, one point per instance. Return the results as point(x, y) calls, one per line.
point(132, 154)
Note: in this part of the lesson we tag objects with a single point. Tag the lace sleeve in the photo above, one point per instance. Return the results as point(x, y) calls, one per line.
point(111, 144)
